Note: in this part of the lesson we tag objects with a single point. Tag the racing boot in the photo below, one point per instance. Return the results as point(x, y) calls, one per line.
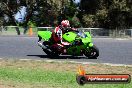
point(41, 45)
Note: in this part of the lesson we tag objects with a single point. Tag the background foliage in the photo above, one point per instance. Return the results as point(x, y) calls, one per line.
point(112, 14)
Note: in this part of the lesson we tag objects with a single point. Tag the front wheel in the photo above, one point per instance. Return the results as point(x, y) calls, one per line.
point(92, 52)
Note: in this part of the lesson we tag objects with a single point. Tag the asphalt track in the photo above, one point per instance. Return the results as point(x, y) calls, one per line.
point(113, 51)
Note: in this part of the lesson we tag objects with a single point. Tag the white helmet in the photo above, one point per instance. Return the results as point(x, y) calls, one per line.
point(65, 23)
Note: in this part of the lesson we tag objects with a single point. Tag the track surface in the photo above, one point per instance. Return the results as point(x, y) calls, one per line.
point(111, 50)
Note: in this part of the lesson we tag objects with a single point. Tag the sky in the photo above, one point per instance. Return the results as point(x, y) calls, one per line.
point(21, 14)
point(76, 1)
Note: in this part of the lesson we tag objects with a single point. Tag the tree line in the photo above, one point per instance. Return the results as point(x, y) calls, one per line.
point(111, 14)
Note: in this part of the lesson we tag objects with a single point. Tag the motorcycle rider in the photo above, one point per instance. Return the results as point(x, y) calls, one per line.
point(56, 36)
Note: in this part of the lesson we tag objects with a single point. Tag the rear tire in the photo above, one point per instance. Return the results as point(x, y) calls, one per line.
point(51, 53)
point(47, 52)
point(92, 52)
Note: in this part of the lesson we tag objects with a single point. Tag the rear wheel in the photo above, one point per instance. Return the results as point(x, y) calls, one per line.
point(47, 52)
point(51, 53)
point(92, 52)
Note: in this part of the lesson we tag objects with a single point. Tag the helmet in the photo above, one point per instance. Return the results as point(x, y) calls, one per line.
point(65, 23)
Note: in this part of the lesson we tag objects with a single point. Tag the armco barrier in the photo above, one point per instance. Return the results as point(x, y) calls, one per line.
point(95, 32)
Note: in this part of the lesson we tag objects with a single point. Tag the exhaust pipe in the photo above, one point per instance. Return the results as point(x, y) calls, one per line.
point(41, 45)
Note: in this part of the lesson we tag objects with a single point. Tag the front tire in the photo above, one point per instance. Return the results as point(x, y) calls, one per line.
point(92, 52)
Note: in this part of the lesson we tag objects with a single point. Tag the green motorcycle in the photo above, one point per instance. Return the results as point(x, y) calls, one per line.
point(80, 44)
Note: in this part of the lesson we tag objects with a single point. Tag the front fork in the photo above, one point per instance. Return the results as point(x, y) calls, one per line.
point(88, 47)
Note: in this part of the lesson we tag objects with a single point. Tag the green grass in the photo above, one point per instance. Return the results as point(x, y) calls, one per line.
point(53, 79)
